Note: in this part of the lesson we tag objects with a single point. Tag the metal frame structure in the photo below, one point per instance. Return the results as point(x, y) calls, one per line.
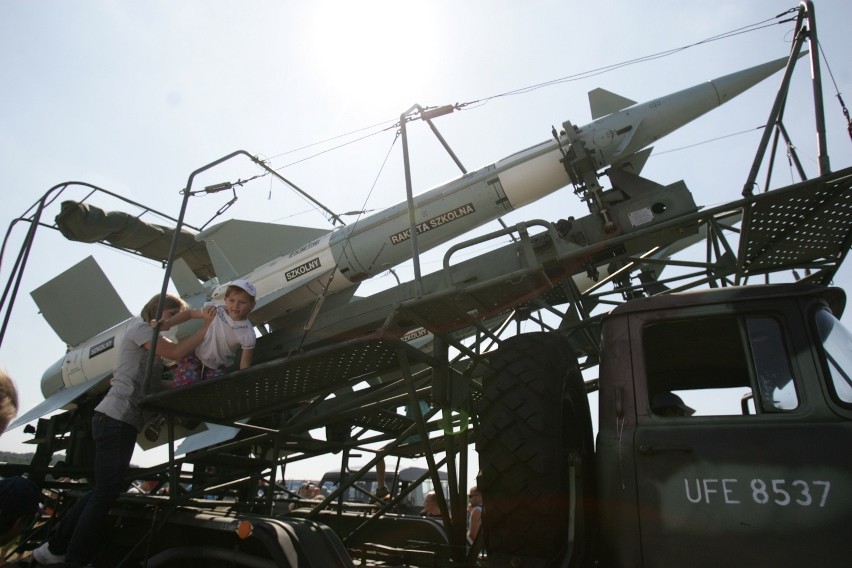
point(359, 363)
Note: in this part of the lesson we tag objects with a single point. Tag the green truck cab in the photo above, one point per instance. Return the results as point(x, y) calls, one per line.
point(753, 469)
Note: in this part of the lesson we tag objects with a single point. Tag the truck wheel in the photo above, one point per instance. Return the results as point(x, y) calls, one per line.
point(534, 425)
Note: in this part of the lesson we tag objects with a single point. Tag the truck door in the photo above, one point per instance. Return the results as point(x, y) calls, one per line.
point(742, 449)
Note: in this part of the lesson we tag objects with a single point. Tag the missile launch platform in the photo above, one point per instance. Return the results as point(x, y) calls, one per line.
point(355, 367)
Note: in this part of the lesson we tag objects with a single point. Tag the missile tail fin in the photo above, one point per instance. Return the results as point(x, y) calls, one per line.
point(58, 400)
point(634, 162)
point(225, 271)
point(185, 281)
point(66, 302)
point(242, 246)
point(603, 102)
point(204, 438)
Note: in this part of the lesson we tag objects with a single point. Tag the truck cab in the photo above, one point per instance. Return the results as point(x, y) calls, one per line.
point(754, 468)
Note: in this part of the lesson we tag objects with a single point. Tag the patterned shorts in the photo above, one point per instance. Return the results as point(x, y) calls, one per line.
point(191, 370)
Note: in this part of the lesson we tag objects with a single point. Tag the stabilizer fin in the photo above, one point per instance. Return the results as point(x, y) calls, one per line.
point(634, 162)
point(210, 435)
point(603, 102)
point(60, 399)
point(67, 302)
point(237, 246)
point(225, 271)
point(185, 281)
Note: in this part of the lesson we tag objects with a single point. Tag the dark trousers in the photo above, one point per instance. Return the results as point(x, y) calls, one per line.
point(80, 531)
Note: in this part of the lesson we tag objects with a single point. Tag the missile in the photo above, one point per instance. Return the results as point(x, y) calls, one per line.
point(337, 261)
point(356, 252)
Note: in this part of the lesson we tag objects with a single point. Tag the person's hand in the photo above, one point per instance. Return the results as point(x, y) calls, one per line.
point(163, 323)
point(207, 314)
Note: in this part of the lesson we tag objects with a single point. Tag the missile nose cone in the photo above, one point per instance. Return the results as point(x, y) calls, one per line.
point(730, 86)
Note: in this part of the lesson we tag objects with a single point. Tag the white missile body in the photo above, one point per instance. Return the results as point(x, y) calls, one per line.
point(86, 362)
point(376, 243)
point(353, 253)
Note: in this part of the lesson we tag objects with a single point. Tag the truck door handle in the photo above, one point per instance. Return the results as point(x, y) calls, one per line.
point(619, 405)
point(648, 450)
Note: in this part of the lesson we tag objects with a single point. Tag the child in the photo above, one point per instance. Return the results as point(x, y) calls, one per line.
point(230, 329)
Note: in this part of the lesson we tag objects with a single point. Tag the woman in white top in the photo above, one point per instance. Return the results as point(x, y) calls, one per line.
point(115, 423)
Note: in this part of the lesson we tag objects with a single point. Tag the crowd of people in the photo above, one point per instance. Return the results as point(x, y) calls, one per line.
point(307, 491)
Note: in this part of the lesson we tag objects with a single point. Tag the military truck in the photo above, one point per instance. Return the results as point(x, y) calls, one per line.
point(761, 476)
point(756, 476)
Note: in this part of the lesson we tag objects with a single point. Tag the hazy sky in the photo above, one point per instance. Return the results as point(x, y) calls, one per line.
point(133, 96)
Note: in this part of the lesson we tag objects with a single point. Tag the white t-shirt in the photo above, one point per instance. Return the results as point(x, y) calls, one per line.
point(223, 337)
point(126, 390)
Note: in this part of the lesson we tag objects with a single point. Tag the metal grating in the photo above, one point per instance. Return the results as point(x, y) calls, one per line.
point(808, 225)
point(384, 421)
point(279, 384)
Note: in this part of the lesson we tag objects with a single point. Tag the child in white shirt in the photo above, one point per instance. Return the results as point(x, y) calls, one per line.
point(229, 330)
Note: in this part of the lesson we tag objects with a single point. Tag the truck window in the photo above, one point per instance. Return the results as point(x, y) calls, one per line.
point(771, 365)
point(721, 365)
point(837, 346)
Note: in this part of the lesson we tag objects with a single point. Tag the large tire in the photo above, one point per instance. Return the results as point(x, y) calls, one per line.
point(534, 425)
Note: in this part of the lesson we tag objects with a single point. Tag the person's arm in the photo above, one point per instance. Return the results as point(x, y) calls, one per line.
point(177, 319)
point(177, 351)
point(245, 358)
point(475, 519)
